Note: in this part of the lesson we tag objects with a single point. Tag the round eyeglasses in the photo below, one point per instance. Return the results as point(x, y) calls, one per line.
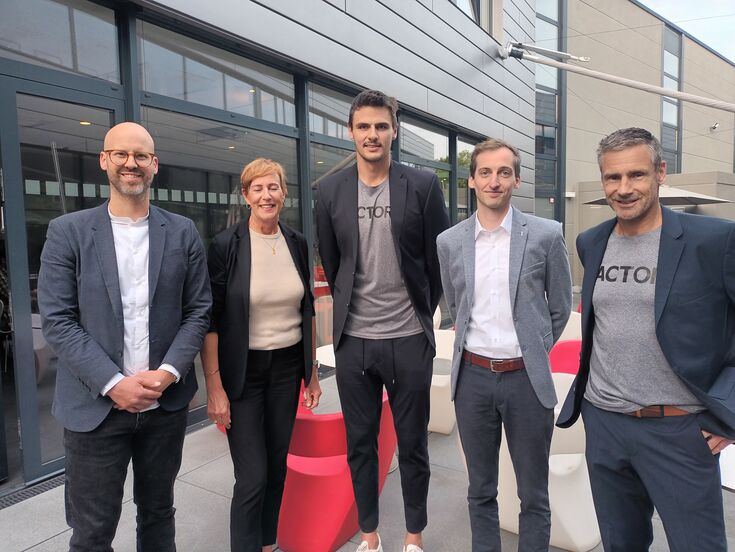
point(120, 157)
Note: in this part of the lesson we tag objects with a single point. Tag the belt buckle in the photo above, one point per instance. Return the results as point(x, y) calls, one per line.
point(492, 366)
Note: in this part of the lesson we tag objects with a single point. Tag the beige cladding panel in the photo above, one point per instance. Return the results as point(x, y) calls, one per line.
point(705, 148)
point(621, 39)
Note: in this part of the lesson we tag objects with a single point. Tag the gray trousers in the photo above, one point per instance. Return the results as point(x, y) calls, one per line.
point(486, 401)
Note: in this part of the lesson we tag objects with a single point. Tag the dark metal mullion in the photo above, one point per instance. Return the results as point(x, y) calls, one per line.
point(301, 93)
point(26, 391)
point(129, 62)
point(453, 192)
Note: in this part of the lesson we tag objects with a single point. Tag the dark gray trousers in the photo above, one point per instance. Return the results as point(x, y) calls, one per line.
point(404, 366)
point(486, 402)
point(638, 463)
point(96, 468)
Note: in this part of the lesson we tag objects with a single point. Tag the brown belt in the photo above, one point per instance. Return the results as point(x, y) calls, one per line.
point(658, 411)
point(494, 365)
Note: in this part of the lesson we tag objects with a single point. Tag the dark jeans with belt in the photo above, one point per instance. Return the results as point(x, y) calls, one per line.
point(485, 402)
point(404, 366)
point(638, 463)
point(259, 437)
point(96, 467)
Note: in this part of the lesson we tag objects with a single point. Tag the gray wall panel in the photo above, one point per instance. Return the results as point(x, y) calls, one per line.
point(337, 3)
point(427, 53)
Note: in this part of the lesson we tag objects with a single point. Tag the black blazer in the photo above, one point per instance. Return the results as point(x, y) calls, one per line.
point(694, 308)
point(229, 273)
point(417, 216)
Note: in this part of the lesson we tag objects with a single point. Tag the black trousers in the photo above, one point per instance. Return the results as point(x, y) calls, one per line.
point(638, 463)
point(485, 402)
point(404, 366)
point(259, 437)
point(96, 467)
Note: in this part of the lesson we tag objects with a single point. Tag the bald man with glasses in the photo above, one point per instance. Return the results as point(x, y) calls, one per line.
point(124, 298)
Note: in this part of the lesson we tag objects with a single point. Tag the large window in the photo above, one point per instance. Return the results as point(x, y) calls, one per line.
point(186, 69)
point(426, 147)
point(670, 106)
point(69, 35)
point(328, 112)
point(200, 165)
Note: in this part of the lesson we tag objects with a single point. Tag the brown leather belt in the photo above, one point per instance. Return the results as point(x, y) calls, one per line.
point(492, 364)
point(658, 411)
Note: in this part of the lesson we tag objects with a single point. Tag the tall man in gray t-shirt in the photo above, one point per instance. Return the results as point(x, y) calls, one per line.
point(377, 224)
point(657, 365)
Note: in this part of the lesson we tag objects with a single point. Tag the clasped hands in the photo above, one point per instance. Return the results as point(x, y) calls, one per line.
point(138, 392)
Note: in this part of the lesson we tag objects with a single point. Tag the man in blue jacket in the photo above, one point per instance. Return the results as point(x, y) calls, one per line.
point(655, 384)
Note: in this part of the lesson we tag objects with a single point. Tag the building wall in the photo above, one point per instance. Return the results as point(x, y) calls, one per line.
point(704, 148)
point(428, 54)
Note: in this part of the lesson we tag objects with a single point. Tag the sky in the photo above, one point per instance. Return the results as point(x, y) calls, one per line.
point(710, 21)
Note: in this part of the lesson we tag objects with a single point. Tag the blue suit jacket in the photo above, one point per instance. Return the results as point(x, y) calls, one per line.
point(82, 314)
point(695, 311)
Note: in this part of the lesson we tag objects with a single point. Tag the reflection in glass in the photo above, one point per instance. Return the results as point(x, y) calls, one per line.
point(180, 67)
point(545, 107)
point(424, 142)
point(199, 155)
point(468, 7)
point(545, 140)
point(328, 112)
point(69, 35)
point(463, 199)
point(544, 207)
point(50, 135)
point(545, 174)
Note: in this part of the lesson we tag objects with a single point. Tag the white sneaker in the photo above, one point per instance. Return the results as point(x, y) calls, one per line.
point(412, 548)
point(364, 547)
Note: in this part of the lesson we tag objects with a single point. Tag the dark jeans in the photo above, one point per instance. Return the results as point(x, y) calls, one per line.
point(262, 422)
point(638, 463)
point(404, 366)
point(485, 402)
point(96, 467)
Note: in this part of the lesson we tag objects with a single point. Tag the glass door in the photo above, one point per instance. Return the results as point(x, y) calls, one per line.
point(51, 139)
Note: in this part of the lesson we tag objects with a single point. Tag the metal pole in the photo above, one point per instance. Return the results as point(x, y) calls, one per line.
point(708, 102)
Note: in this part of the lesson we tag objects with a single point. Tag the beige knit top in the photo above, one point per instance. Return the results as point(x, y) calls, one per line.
point(276, 291)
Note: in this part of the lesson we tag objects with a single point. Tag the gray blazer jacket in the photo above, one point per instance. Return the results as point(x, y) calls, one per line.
point(82, 316)
point(540, 291)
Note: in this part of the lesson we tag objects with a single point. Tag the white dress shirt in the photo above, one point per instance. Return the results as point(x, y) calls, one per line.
point(131, 250)
point(490, 331)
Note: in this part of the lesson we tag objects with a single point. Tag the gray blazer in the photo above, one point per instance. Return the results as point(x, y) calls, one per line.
point(540, 291)
point(82, 316)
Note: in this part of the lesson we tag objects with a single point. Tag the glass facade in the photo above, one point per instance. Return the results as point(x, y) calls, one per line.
point(210, 110)
point(72, 35)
